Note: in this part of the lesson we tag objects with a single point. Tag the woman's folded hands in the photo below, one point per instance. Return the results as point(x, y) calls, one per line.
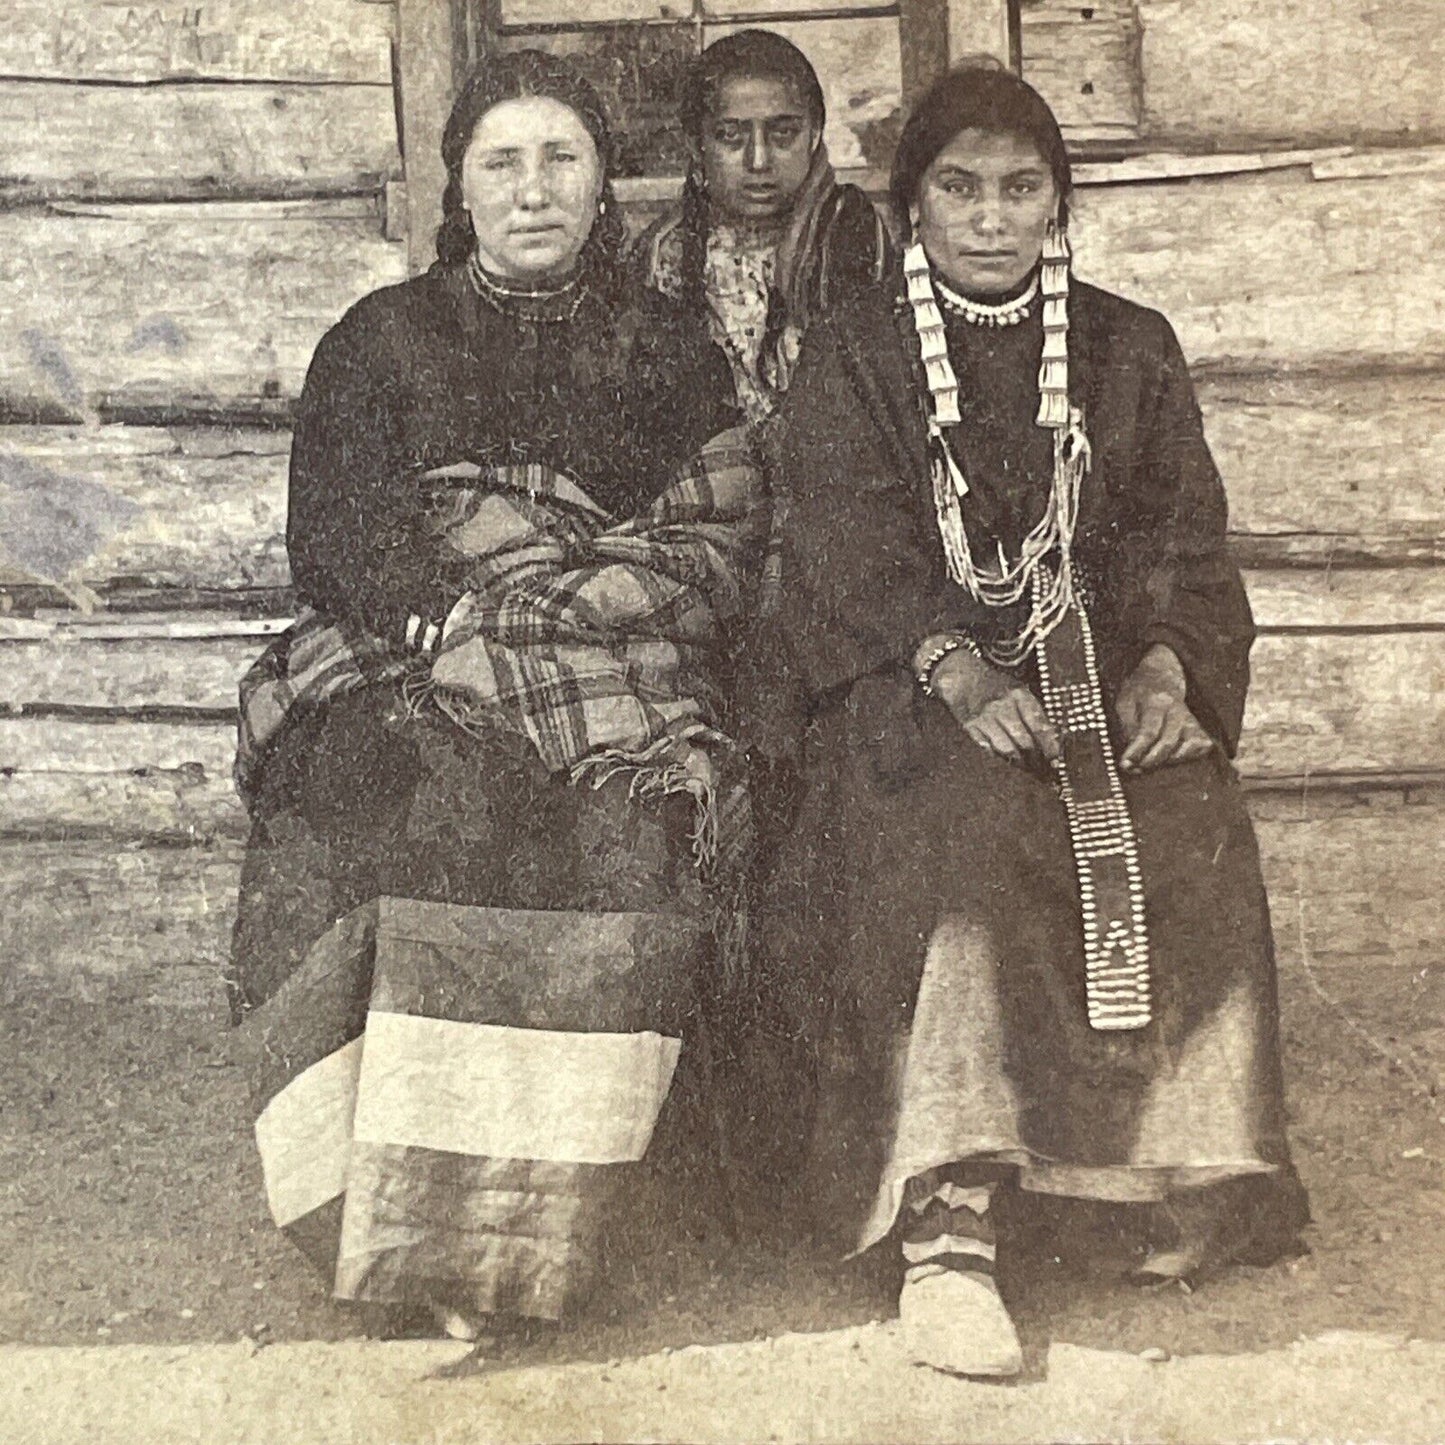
point(1003, 716)
point(1158, 726)
point(996, 710)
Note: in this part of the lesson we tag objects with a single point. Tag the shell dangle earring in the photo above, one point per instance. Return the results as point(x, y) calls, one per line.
point(1054, 411)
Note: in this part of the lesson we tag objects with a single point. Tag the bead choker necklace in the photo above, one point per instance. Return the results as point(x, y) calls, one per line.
point(558, 303)
point(977, 313)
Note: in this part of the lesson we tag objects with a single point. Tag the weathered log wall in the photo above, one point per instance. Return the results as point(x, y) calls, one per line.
point(192, 194)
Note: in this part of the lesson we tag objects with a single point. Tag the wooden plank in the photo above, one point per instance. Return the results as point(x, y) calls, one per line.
point(1338, 467)
point(1276, 270)
point(1351, 881)
point(71, 778)
point(1265, 70)
point(711, 8)
point(1322, 162)
point(194, 140)
point(134, 673)
point(161, 805)
point(172, 307)
point(100, 921)
point(1354, 164)
point(1084, 60)
point(1354, 703)
point(1354, 878)
point(427, 48)
point(159, 40)
point(211, 502)
point(1345, 599)
point(519, 13)
point(978, 28)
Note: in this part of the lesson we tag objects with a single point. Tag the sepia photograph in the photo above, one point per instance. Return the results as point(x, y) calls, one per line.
point(722, 721)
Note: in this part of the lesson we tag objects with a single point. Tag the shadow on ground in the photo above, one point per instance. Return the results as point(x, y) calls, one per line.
point(130, 1199)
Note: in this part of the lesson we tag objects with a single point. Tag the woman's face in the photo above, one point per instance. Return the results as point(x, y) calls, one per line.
point(757, 146)
point(531, 179)
point(984, 207)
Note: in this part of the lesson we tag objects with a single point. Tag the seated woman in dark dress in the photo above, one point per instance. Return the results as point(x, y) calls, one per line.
point(490, 805)
point(764, 238)
point(1009, 613)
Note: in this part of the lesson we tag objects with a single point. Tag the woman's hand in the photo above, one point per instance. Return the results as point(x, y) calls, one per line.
point(1158, 726)
point(993, 708)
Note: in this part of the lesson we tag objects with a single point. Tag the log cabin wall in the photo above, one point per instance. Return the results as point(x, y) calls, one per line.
point(190, 195)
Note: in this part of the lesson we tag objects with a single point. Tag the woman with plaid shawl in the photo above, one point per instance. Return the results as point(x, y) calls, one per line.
point(490, 804)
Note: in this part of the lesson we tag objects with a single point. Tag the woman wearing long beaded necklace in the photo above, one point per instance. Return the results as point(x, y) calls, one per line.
point(1024, 876)
point(764, 238)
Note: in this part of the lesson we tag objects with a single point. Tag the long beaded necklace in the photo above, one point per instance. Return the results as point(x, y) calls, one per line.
point(1117, 979)
point(1042, 571)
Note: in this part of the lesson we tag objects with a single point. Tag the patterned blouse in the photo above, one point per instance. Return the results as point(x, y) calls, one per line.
point(738, 273)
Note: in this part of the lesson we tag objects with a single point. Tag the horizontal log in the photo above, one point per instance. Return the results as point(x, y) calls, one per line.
point(1084, 60)
point(134, 674)
point(1322, 705)
point(1276, 270)
point(178, 662)
point(1332, 467)
point(163, 805)
point(1409, 599)
point(1267, 70)
point(193, 140)
point(75, 778)
point(1351, 882)
point(1356, 880)
point(1342, 468)
point(1352, 703)
point(210, 503)
point(96, 920)
point(1154, 166)
point(159, 40)
point(175, 307)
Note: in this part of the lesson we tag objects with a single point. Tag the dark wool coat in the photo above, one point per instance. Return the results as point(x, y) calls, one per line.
point(865, 573)
point(427, 373)
point(907, 830)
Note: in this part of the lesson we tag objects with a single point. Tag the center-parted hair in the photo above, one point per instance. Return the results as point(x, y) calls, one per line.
point(747, 55)
point(975, 97)
point(520, 75)
point(743, 55)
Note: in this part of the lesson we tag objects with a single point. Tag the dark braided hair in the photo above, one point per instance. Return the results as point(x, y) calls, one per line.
point(745, 54)
point(515, 76)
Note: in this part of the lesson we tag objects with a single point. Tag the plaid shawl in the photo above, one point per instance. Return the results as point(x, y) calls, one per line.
point(588, 636)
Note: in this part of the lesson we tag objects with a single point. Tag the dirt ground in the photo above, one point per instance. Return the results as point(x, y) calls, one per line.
point(131, 1205)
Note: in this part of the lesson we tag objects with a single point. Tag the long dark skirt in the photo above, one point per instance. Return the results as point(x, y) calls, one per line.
point(468, 981)
point(940, 883)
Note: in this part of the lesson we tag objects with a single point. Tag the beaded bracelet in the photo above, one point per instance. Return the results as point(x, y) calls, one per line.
point(933, 650)
point(421, 635)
